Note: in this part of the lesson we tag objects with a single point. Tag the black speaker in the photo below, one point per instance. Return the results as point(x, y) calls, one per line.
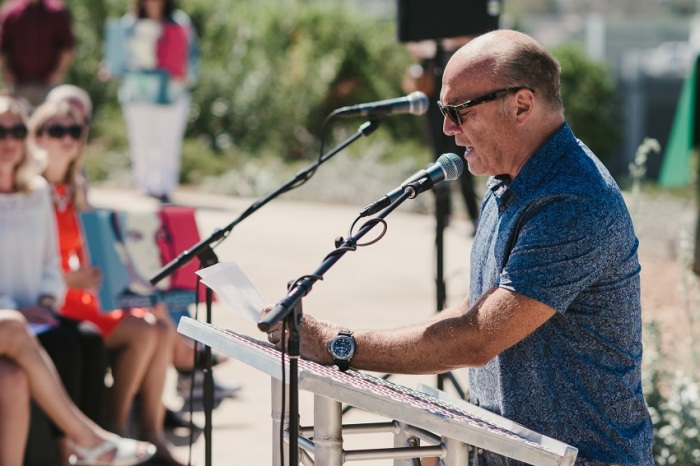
point(442, 19)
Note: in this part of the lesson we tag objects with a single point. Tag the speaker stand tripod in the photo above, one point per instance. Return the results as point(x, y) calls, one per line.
point(442, 211)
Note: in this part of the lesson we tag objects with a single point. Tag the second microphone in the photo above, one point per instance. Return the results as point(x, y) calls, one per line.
point(448, 167)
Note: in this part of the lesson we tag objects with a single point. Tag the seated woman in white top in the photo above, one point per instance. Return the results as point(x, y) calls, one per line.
point(31, 282)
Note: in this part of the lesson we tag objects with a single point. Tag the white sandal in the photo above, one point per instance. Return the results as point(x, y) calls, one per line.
point(126, 452)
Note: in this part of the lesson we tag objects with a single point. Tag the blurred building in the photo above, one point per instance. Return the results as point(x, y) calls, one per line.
point(649, 59)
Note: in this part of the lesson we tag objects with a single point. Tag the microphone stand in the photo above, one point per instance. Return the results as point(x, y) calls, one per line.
point(207, 258)
point(289, 309)
point(203, 250)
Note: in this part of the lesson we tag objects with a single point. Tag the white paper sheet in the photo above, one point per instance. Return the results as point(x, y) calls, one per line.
point(231, 284)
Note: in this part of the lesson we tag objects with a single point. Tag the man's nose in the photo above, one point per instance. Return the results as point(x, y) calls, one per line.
point(449, 127)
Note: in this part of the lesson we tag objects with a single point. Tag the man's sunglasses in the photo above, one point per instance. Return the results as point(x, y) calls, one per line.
point(58, 131)
point(452, 111)
point(18, 132)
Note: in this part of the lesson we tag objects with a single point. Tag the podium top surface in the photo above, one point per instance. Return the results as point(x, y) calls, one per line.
point(453, 418)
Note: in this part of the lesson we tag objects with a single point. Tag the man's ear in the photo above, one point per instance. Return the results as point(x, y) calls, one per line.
point(525, 103)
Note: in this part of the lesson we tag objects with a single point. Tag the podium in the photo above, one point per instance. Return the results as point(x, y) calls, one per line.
point(425, 422)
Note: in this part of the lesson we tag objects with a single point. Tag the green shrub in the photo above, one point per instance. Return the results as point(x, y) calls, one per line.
point(674, 404)
point(588, 91)
point(271, 71)
point(274, 70)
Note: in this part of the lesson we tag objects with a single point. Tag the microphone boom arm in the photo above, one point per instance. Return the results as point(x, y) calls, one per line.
point(183, 258)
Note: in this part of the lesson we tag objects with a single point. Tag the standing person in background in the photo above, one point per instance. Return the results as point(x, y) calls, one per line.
point(36, 46)
point(157, 64)
point(426, 76)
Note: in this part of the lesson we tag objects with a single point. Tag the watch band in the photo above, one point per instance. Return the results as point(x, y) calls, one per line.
point(343, 364)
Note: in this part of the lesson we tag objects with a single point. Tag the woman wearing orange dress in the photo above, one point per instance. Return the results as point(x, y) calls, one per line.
point(144, 343)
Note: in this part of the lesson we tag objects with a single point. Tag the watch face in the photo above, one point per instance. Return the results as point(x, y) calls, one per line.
point(342, 347)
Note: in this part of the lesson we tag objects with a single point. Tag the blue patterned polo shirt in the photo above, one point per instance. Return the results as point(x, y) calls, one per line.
point(560, 233)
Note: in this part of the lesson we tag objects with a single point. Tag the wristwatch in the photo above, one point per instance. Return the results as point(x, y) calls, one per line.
point(342, 348)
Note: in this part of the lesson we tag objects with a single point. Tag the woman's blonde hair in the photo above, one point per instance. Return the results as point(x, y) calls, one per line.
point(29, 168)
point(74, 175)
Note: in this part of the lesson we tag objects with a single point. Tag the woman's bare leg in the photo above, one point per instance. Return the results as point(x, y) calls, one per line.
point(152, 410)
point(146, 351)
point(137, 340)
point(14, 413)
point(19, 345)
point(183, 353)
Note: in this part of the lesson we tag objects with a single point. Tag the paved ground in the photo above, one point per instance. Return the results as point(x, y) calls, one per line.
point(386, 284)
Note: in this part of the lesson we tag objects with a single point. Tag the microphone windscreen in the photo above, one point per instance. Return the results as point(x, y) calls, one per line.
point(419, 103)
point(452, 165)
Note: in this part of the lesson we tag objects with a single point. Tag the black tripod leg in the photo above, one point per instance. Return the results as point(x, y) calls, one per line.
point(442, 212)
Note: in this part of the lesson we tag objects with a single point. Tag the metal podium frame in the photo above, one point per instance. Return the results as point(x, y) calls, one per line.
point(450, 427)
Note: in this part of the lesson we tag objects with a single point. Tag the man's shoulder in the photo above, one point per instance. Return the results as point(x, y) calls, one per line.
point(576, 171)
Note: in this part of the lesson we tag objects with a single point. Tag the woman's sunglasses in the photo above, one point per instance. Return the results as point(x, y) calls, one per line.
point(58, 131)
point(18, 132)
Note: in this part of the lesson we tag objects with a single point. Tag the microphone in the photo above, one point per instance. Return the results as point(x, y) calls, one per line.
point(448, 167)
point(415, 103)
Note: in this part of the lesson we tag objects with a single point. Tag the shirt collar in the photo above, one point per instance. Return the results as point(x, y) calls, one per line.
point(536, 167)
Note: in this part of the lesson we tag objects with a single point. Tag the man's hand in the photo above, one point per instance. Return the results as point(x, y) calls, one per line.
point(314, 335)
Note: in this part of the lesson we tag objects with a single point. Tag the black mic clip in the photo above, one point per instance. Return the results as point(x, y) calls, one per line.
point(416, 187)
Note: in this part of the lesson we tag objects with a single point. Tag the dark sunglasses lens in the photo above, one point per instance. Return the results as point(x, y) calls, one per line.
point(453, 115)
point(55, 131)
point(18, 132)
point(58, 132)
point(75, 131)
